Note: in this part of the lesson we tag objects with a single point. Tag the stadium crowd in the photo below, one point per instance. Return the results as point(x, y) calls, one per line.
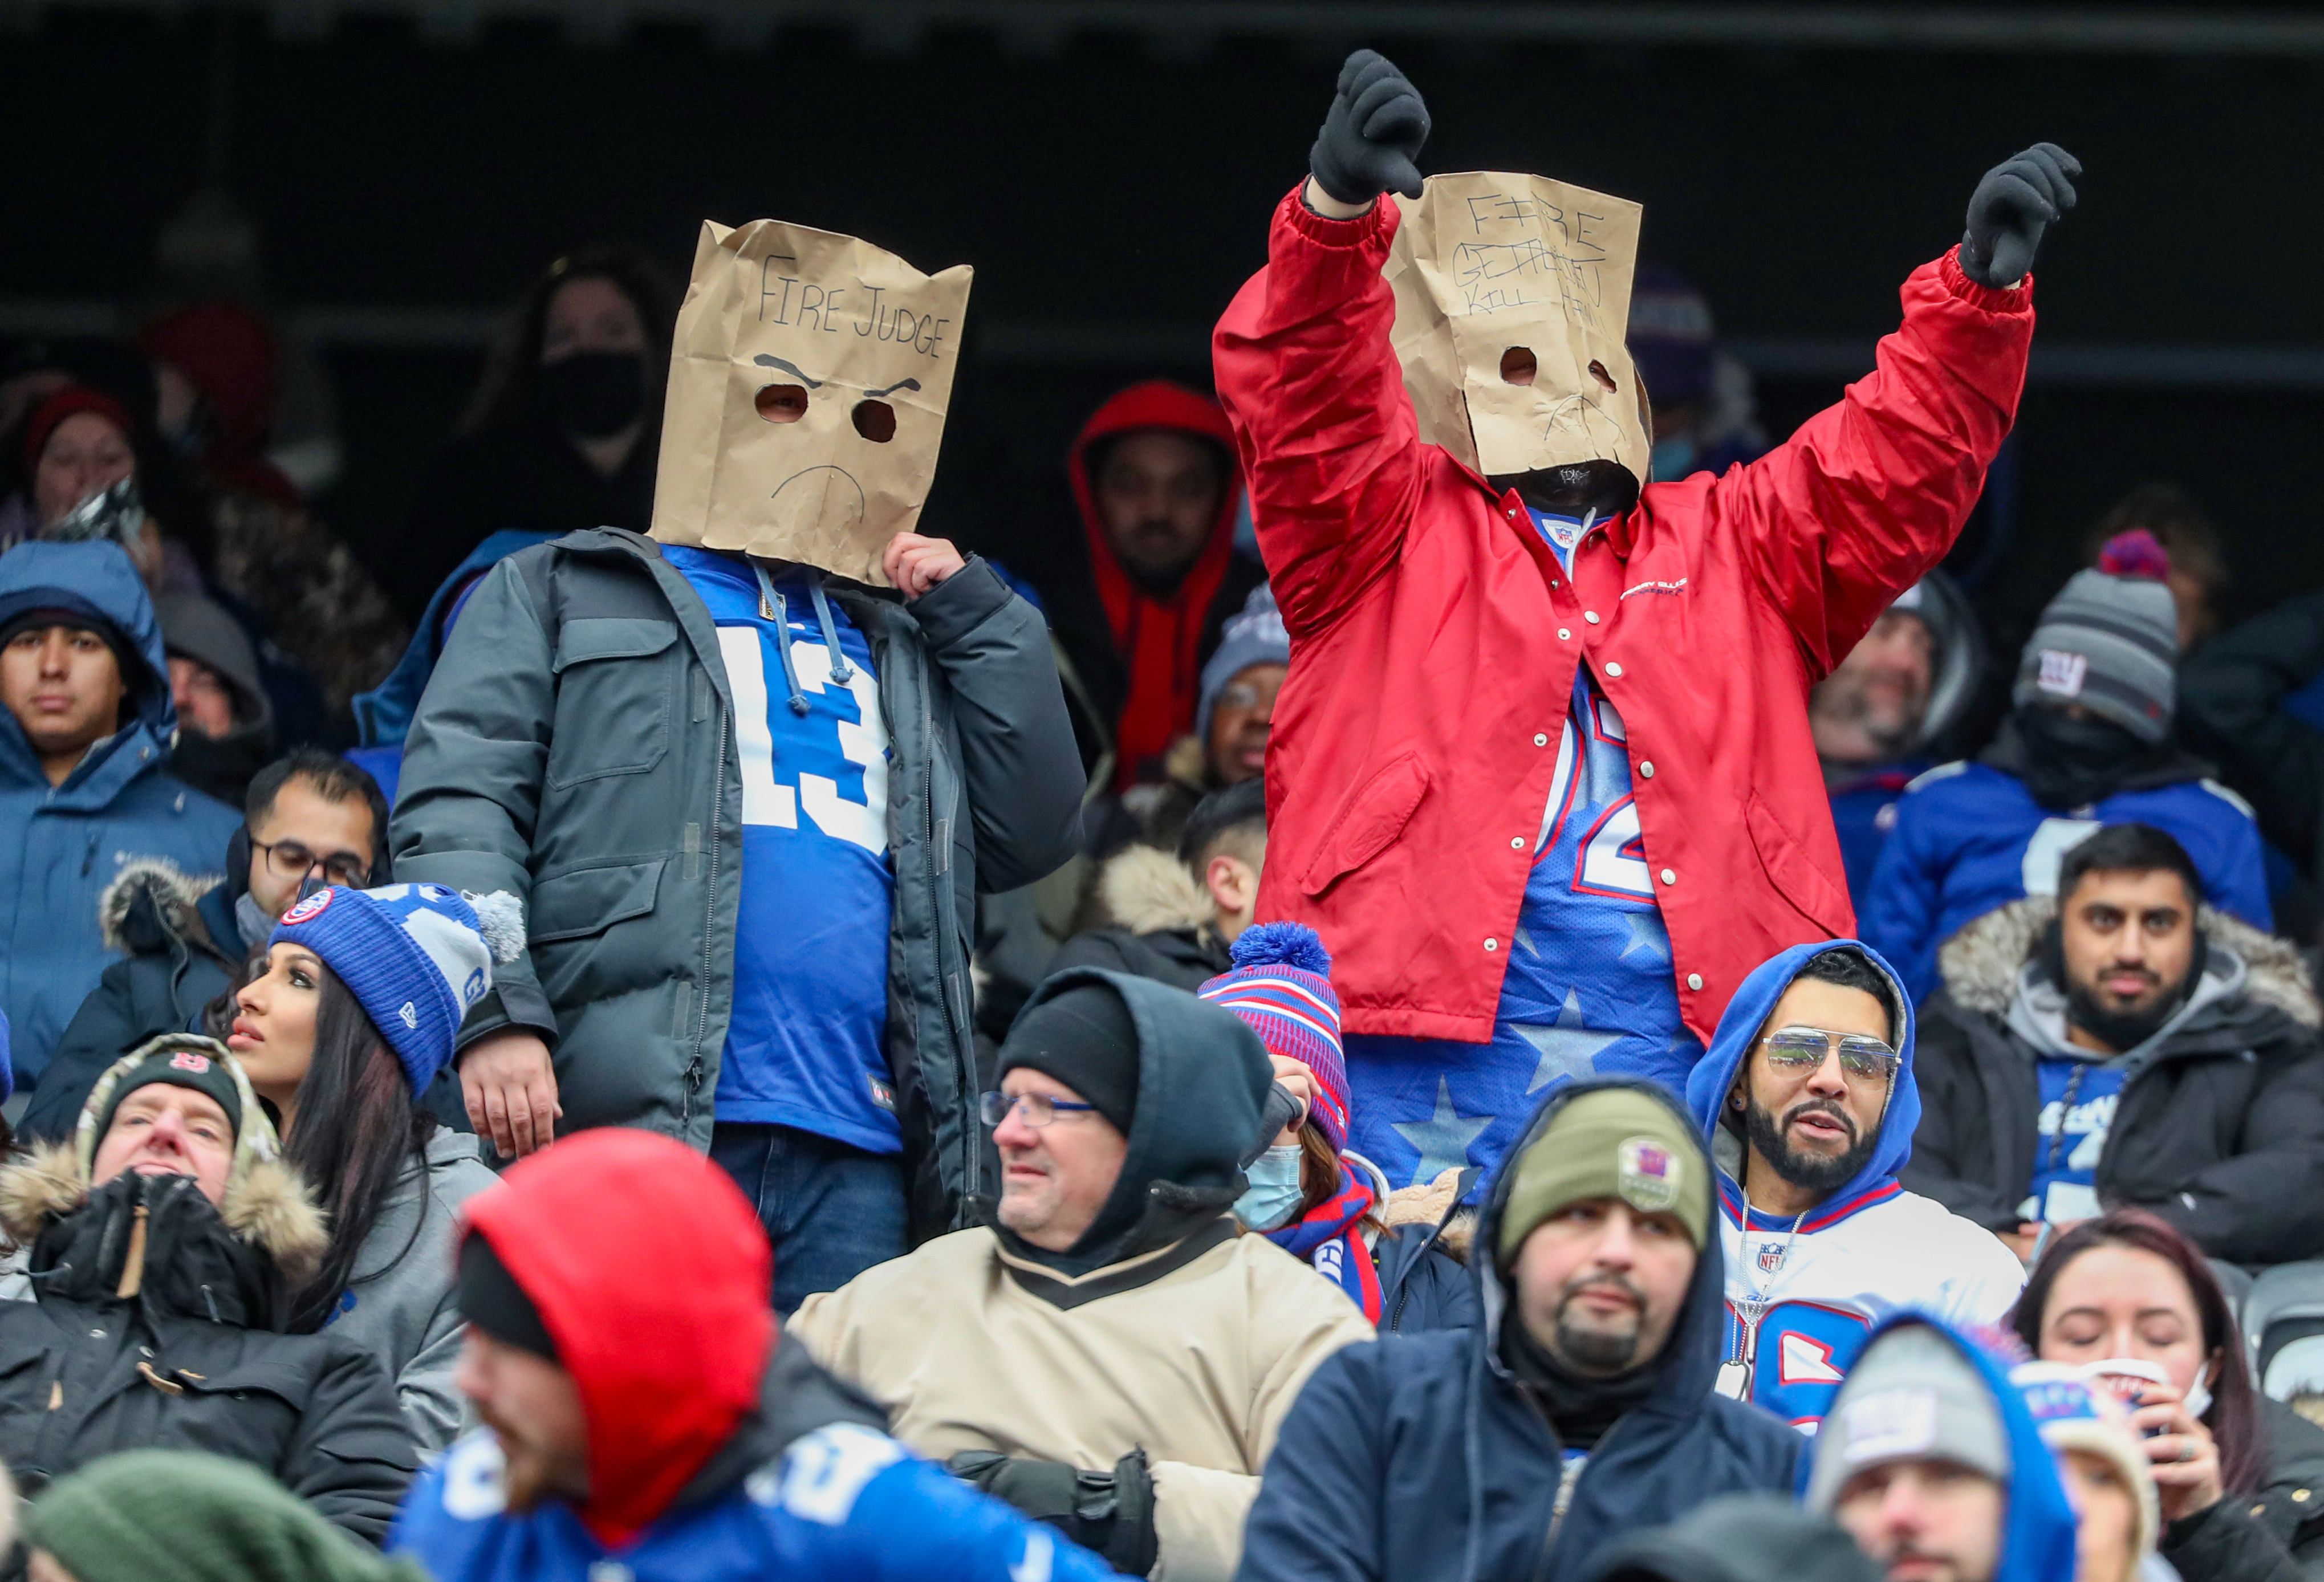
point(1453, 998)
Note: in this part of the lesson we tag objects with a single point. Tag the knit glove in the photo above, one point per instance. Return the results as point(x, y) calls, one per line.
point(2017, 200)
point(1109, 1514)
point(1373, 133)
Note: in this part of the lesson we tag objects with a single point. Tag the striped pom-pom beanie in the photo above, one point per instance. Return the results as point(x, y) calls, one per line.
point(1281, 986)
point(2109, 641)
point(415, 956)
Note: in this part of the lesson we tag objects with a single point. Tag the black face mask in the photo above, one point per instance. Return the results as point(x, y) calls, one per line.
point(593, 394)
point(2068, 762)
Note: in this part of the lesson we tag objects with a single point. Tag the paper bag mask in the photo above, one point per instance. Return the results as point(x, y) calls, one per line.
point(807, 386)
point(1512, 298)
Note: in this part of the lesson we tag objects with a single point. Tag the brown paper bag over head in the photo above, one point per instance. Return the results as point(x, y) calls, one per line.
point(807, 387)
point(1512, 300)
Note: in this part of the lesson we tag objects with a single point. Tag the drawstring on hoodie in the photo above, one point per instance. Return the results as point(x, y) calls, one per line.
point(842, 672)
point(770, 608)
point(773, 607)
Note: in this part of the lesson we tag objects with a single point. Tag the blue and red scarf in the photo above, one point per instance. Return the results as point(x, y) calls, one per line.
point(1330, 1236)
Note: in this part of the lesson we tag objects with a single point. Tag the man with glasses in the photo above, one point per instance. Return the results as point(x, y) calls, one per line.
point(1806, 1094)
point(311, 819)
point(1048, 1357)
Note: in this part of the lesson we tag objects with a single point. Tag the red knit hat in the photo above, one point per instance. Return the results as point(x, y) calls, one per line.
point(65, 404)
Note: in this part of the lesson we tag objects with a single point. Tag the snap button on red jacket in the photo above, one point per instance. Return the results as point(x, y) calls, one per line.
point(1435, 637)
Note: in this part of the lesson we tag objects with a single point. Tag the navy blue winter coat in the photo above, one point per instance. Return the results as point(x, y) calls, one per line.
point(61, 846)
point(1419, 1458)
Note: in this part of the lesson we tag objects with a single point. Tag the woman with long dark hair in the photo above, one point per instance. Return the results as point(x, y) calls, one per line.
point(564, 429)
point(2241, 1477)
point(344, 1023)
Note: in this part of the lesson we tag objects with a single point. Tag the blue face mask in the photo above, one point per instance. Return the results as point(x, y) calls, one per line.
point(1275, 1194)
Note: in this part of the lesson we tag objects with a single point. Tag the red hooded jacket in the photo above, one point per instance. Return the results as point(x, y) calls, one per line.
point(1433, 637)
point(1159, 639)
point(653, 1275)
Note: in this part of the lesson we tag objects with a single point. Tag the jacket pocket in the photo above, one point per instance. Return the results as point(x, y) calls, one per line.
point(1795, 875)
point(1371, 817)
point(590, 900)
point(611, 717)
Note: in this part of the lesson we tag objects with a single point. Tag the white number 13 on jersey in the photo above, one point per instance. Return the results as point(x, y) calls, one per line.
point(768, 801)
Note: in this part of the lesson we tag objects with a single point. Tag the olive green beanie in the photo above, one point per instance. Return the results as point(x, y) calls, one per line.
point(148, 1513)
point(1608, 1143)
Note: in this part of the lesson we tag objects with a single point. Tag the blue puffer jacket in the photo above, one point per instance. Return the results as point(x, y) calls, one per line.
point(1420, 1458)
point(60, 846)
point(1968, 838)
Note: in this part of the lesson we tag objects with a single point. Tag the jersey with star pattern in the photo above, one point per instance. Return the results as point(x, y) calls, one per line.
point(1587, 989)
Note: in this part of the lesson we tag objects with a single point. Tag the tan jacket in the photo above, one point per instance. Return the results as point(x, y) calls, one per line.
point(1196, 1359)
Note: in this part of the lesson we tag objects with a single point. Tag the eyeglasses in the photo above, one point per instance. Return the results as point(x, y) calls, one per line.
point(289, 859)
point(1800, 1050)
point(1036, 1109)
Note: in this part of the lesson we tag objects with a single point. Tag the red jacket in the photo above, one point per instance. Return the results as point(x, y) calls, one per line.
point(1433, 636)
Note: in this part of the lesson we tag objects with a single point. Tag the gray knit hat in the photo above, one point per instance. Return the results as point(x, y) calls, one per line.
point(1912, 1396)
point(1254, 635)
point(2110, 644)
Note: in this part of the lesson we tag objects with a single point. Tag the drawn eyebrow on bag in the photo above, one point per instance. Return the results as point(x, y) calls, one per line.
point(900, 384)
point(764, 360)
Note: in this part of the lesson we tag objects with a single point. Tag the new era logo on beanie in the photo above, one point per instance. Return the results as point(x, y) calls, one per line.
point(416, 957)
point(1280, 986)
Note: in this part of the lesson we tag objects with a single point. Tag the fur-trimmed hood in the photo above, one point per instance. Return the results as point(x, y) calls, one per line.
point(175, 896)
point(269, 1207)
point(1148, 890)
point(1981, 965)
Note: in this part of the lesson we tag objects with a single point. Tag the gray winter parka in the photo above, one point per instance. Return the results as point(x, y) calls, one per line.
point(576, 746)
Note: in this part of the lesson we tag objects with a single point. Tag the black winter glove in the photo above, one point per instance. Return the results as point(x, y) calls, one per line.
point(1373, 133)
point(1109, 1514)
point(2017, 200)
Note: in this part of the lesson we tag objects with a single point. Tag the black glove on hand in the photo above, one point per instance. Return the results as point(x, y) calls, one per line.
point(1373, 133)
point(2009, 210)
point(1109, 1514)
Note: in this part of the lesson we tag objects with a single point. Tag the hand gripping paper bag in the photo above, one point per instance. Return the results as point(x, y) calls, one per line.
point(809, 380)
point(1512, 300)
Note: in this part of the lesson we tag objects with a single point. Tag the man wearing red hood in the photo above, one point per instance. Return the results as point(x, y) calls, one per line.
point(1155, 482)
point(644, 1417)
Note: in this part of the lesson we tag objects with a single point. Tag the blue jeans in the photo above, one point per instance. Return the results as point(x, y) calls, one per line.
point(830, 1211)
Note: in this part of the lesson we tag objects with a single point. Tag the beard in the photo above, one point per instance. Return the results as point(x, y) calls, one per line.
point(2122, 1027)
point(1814, 1173)
point(1598, 1352)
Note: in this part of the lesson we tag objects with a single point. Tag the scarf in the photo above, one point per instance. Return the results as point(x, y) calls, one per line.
point(2068, 763)
point(1329, 1237)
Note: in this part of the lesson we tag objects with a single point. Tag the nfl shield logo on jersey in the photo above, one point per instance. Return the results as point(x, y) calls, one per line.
point(1771, 1256)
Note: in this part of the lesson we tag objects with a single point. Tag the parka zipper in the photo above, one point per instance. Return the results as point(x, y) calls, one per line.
point(709, 930)
point(964, 1075)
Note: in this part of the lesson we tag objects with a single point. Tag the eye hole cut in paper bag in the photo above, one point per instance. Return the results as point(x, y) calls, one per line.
point(809, 380)
point(1512, 300)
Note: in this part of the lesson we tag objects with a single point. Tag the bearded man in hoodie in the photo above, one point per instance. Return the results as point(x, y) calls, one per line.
point(1047, 1357)
point(2126, 1045)
point(639, 1401)
point(1579, 1409)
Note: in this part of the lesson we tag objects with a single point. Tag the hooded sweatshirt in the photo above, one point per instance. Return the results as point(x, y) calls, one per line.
point(61, 846)
point(2037, 1532)
point(717, 1451)
point(1160, 641)
point(1800, 1290)
point(197, 629)
point(1163, 1329)
point(1427, 1458)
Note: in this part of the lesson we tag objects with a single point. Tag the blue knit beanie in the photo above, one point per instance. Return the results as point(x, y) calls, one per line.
point(415, 957)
